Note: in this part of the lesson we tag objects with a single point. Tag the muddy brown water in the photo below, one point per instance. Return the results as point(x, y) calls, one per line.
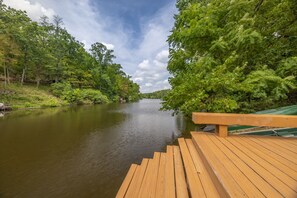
point(80, 151)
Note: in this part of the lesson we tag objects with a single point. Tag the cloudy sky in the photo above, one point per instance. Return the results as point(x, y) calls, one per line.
point(136, 30)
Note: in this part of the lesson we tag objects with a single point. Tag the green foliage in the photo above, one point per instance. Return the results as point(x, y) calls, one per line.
point(95, 96)
point(28, 97)
point(46, 53)
point(78, 96)
point(155, 95)
point(58, 89)
point(232, 56)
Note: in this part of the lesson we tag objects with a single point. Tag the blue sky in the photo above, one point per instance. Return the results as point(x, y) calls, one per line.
point(136, 30)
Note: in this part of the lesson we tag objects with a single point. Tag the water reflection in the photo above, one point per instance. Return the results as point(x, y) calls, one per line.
point(81, 151)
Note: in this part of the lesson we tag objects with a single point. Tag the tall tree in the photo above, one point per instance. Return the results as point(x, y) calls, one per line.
point(228, 56)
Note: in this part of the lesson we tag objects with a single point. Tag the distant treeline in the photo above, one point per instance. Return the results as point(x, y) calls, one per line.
point(45, 53)
point(155, 95)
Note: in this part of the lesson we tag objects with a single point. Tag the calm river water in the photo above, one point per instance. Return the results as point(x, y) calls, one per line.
point(81, 151)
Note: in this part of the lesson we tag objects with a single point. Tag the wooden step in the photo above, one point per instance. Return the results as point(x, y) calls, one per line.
point(126, 183)
point(160, 188)
point(180, 179)
point(199, 181)
point(211, 166)
point(207, 183)
point(137, 180)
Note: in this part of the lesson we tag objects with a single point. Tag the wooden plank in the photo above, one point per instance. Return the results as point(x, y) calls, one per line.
point(287, 180)
point(275, 155)
point(284, 144)
point(195, 186)
point(273, 181)
point(125, 185)
point(257, 149)
point(194, 155)
point(292, 142)
point(245, 119)
point(257, 180)
point(156, 164)
point(180, 180)
point(160, 191)
point(145, 186)
point(210, 169)
point(245, 184)
point(208, 186)
point(135, 185)
point(169, 174)
point(279, 150)
point(222, 173)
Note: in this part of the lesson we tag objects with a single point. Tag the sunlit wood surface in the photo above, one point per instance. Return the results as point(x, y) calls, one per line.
point(211, 166)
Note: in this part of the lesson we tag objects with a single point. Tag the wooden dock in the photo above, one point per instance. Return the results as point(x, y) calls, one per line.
point(212, 166)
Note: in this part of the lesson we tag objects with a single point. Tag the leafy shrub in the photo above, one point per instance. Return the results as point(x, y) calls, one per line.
point(95, 96)
point(78, 96)
point(74, 96)
point(59, 89)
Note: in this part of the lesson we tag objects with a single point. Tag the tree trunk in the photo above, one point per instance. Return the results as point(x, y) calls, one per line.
point(24, 69)
point(7, 73)
point(5, 77)
point(23, 76)
point(37, 82)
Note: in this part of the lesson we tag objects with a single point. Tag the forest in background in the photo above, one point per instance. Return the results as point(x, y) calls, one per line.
point(45, 54)
point(155, 95)
point(232, 56)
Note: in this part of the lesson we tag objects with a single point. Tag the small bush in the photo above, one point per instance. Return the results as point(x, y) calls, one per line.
point(59, 89)
point(78, 96)
point(95, 96)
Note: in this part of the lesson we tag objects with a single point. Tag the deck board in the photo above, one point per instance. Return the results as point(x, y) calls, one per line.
point(268, 176)
point(160, 188)
point(246, 185)
point(180, 179)
point(270, 159)
point(137, 181)
point(169, 174)
point(285, 145)
point(211, 166)
point(145, 186)
point(207, 184)
point(195, 186)
point(266, 189)
point(231, 185)
point(125, 185)
point(153, 186)
point(278, 174)
point(280, 151)
point(275, 155)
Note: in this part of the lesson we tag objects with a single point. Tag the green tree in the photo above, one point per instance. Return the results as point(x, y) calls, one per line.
point(232, 56)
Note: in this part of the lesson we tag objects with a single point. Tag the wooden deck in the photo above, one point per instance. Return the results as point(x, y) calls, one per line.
point(211, 166)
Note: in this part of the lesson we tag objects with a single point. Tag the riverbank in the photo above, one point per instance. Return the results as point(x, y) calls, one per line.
point(16, 96)
point(28, 96)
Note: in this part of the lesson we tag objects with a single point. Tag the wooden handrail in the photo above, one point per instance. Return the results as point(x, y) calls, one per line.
point(222, 120)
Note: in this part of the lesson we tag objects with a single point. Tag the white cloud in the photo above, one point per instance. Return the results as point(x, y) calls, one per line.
point(145, 61)
point(162, 56)
point(139, 79)
point(145, 64)
point(108, 46)
point(34, 10)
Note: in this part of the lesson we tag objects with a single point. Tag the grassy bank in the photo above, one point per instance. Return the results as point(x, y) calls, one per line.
point(28, 96)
